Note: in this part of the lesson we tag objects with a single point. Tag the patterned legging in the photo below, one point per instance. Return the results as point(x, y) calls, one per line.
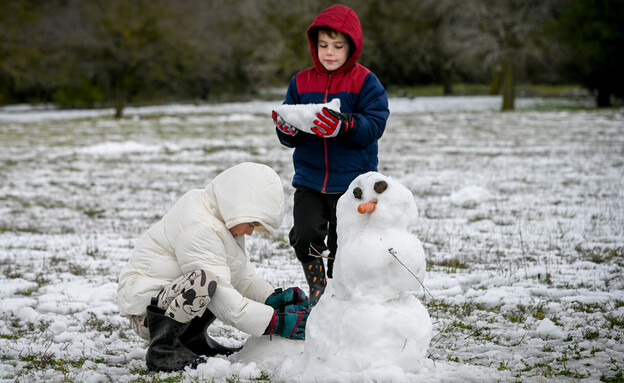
point(183, 299)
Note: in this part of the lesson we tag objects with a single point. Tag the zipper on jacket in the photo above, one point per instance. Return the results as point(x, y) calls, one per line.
point(325, 96)
point(327, 85)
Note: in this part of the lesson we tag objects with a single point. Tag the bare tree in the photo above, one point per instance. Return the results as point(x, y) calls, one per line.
point(494, 34)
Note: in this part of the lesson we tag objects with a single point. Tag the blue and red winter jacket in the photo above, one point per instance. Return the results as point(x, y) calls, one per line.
point(329, 165)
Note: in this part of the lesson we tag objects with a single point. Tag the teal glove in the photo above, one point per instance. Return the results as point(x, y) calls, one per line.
point(288, 323)
point(291, 296)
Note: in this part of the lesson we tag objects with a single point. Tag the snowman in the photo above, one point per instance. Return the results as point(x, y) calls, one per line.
point(368, 323)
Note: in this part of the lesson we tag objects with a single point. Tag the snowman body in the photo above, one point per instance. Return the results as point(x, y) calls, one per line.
point(367, 334)
point(380, 263)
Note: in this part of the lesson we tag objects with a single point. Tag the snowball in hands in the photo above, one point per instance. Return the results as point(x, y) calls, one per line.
point(302, 116)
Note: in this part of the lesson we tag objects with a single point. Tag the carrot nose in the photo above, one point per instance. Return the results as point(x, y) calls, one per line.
point(367, 207)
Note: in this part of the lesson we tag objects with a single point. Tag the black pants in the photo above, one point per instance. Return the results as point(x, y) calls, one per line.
point(314, 216)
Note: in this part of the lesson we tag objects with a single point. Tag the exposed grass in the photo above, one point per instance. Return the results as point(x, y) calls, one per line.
point(448, 265)
point(544, 248)
point(601, 254)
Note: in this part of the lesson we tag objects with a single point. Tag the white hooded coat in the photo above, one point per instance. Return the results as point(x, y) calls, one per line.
point(195, 234)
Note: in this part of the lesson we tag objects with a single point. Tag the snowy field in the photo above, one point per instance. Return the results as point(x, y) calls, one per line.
point(521, 218)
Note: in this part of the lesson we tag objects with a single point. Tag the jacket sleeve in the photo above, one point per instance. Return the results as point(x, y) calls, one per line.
point(292, 98)
point(253, 286)
point(202, 248)
point(371, 112)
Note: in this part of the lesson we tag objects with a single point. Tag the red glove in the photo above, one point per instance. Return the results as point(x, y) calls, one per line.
point(283, 126)
point(331, 123)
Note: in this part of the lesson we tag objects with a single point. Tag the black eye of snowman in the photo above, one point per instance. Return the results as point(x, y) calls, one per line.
point(357, 193)
point(380, 186)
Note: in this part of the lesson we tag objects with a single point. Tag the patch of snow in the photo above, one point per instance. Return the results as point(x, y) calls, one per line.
point(470, 196)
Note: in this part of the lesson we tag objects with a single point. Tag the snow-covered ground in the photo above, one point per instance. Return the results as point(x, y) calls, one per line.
point(521, 218)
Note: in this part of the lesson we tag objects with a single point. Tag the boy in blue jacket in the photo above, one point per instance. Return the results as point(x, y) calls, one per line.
point(344, 144)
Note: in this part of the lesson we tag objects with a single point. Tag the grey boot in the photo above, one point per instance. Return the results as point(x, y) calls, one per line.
point(166, 352)
point(315, 275)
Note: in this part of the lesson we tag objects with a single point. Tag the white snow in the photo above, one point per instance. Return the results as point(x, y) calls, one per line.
point(303, 116)
point(117, 148)
point(470, 196)
point(268, 351)
point(548, 329)
point(523, 279)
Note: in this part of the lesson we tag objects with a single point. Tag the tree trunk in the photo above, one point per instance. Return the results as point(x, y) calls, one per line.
point(603, 99)
point(118, 110)
point(120, 96)
point(496, 81)
point(509, 91)
point(447, 80)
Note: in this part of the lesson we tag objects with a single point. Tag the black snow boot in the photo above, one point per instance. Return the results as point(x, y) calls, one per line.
point(166, 352)
point(315, 275)
point(196, 337)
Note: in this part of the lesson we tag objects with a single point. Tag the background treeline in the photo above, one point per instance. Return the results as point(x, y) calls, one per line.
point(83, 53)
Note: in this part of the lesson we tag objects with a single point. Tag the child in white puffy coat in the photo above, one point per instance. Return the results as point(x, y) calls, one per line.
point(192, 266)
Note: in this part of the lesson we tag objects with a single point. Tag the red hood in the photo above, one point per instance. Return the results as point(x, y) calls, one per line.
point(343, 20)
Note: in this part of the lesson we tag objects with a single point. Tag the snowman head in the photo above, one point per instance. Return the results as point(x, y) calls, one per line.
point(375, 201)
